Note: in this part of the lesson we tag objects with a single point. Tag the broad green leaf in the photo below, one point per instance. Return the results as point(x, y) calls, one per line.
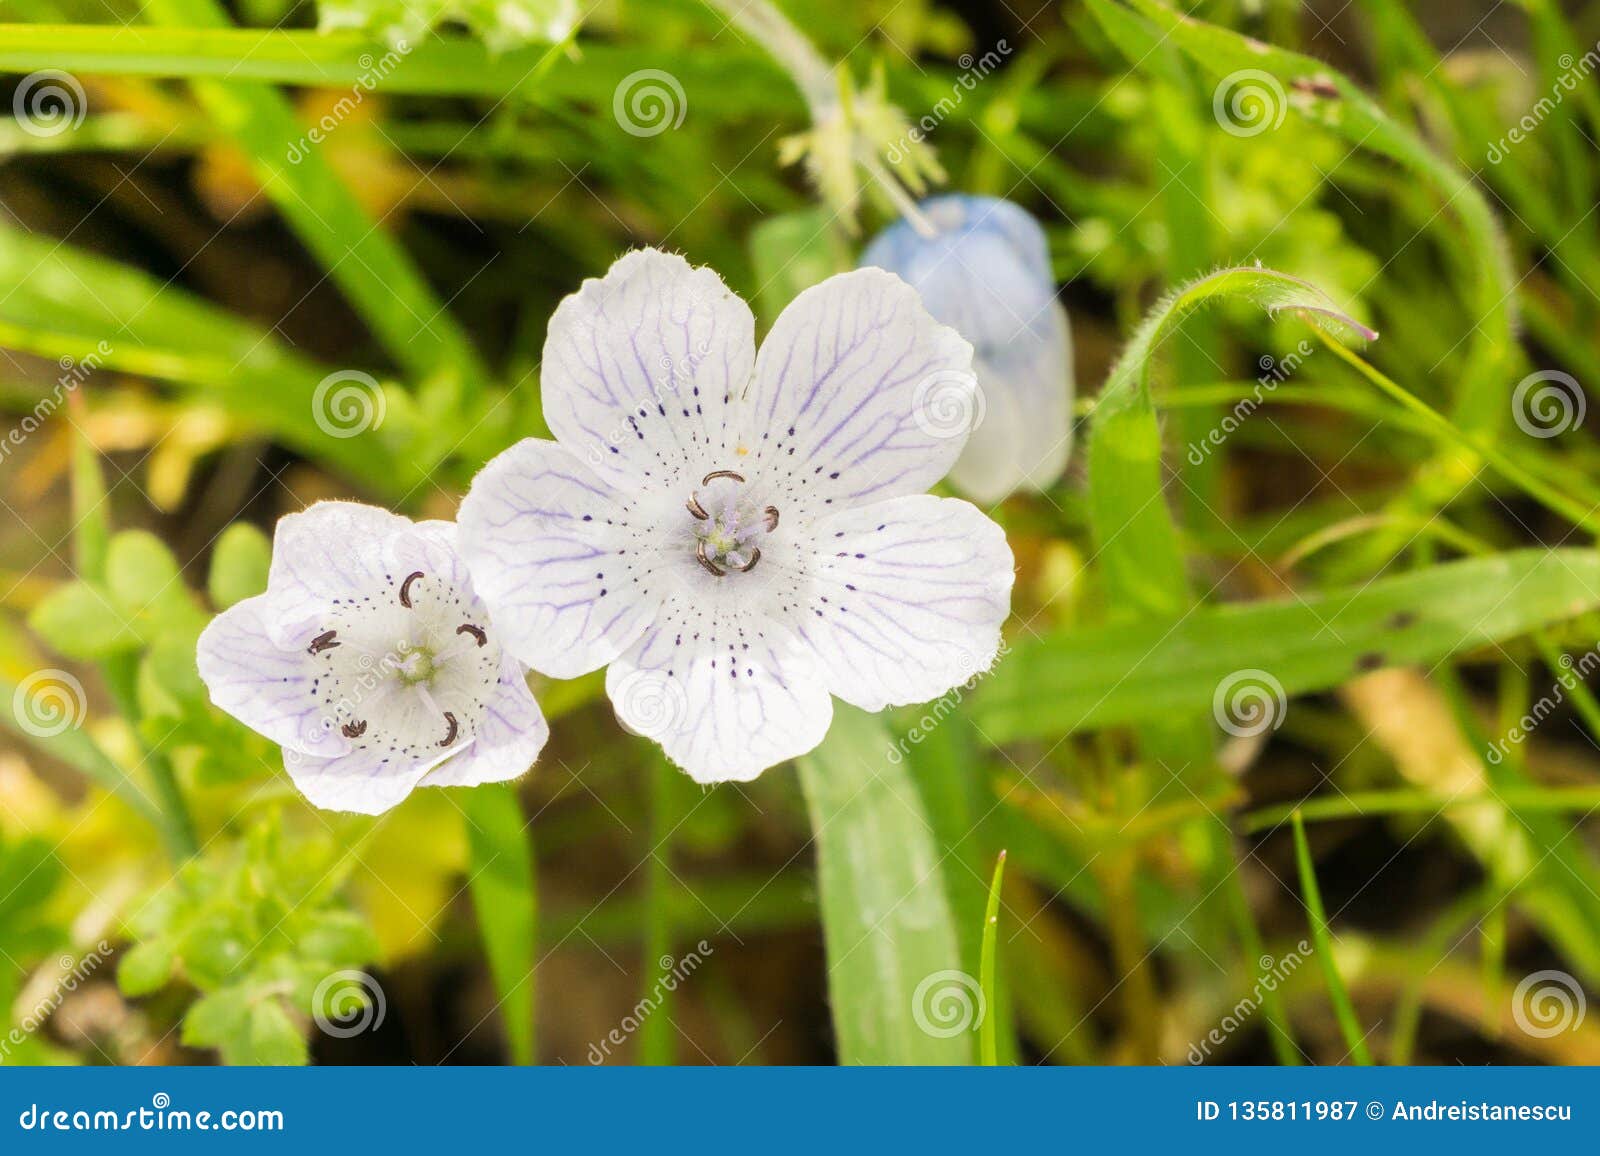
point(82, 621)
point(501, 880)
point(239, 565)
point(273, 1038)
point(145, 968)
point(1131, 672)
point(894, 963)
point(144, 578)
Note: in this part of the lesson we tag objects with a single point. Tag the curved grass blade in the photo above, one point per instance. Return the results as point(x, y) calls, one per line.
point(1343, 1010)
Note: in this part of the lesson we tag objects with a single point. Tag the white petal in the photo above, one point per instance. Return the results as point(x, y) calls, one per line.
point(907, 599)
point(562, 559)
point(365, 781)
point(726, 694)
point(639, 367)
point(507, 742)
point(267, 685)
point(330, 550)
point(859, 395)
point(1024, 434)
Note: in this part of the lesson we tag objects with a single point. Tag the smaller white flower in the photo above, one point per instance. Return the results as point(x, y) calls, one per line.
point(987, 276)
point(370, 660)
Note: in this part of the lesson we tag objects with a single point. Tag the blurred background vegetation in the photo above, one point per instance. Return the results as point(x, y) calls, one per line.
point(168, 256)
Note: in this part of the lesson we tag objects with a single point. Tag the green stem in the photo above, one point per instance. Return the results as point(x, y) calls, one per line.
point(655, 1032)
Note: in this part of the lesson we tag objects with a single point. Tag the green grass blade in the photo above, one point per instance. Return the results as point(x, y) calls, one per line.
point(893, 956)
point(1078, 679)
point(1344, 1011)
point(377, 276)
point(504, 896)
point(987, 1050)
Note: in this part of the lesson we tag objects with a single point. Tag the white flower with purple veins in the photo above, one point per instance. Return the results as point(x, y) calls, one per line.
point(739, 536)
point(987, 275)
point(372, 662)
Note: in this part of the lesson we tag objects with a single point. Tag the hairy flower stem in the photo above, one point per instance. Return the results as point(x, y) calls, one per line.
point(815, 78)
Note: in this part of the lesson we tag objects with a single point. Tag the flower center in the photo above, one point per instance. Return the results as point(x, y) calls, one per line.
point(426, 662)
point(728, 526)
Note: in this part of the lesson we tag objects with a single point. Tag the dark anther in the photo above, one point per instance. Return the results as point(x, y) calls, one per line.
point(354, 730)
point(449, 737)
point(755, 556)
point(323, 641)
point(706, 481)
point(405, 588)
point(475, 631)
point(696, 508)
point(772, 518)
point(700, 553)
